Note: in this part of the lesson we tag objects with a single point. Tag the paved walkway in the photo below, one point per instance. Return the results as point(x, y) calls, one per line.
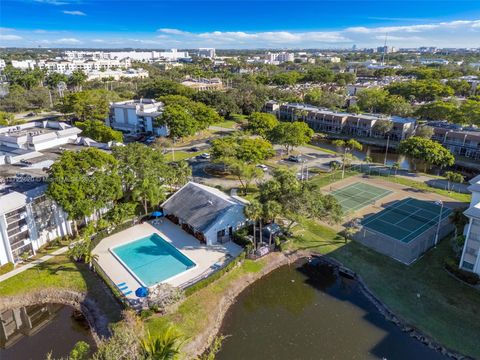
point(22, 268)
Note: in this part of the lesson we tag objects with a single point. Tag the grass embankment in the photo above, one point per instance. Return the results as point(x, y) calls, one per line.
point(227, 124)
point(424, 187)
point(193, 315)
point(60, 272)
point(321, 148)
point(446, 309)
point(181, 155)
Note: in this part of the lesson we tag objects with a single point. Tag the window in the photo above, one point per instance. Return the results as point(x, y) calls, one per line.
point(467, 265)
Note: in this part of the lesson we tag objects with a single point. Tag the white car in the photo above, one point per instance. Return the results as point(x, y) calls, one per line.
point(263, 167)
point(205, 156)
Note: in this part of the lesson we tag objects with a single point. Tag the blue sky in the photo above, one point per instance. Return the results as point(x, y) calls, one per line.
point(238, 24)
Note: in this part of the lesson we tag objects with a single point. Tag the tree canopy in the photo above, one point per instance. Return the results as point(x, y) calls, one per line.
point(98, 131)
point(429, 151)
point(290, 134)
point(261, 123)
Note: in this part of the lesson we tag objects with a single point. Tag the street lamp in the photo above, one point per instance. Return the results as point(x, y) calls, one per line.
point(439, 203)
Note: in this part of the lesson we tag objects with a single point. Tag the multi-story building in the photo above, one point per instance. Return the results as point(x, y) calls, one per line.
point(470, 259)
point(28, 220)
point(203, 84)
point(143, 56)
point(66, 67)
point(325, 120)
point(24, 64)
point(2, 64)
point(25, 141)
point(137, 116)
point(459, 140)
point(208, 53)
point(278, 58)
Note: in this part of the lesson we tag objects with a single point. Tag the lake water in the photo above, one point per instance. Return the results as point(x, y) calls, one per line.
point(300, 313)
point(31, 332)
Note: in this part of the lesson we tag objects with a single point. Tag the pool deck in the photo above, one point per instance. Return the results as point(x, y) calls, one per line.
point(203, 256)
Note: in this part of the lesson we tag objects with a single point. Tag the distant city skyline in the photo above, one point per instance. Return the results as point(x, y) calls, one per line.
point(243, 25)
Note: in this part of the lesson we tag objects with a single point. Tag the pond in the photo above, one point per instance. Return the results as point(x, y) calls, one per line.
point(31, 332)
point(310, 312)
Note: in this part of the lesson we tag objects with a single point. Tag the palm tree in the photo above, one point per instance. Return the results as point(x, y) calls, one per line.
point(164, 346)
point(458, 219)
point(395, 167)
point(253, 211)
point(368, 160)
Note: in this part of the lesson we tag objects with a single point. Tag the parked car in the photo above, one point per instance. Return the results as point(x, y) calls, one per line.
point(205, 156)
point(334, 163)
point(150, 140)
point(294, 158)
point(263, 167)
point(194, 149)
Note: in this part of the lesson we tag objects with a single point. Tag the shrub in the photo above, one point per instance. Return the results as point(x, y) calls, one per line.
point(470, 278)
point(6, 268)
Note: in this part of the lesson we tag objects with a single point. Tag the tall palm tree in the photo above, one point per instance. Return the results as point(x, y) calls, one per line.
point(368, 160)
point(253, 212)
point(163, 346)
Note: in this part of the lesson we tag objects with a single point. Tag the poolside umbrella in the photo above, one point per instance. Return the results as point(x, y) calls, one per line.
point(157, 213)
point(141, 292)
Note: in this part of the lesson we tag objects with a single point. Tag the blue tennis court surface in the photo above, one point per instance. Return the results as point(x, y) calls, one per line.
point(406, 219)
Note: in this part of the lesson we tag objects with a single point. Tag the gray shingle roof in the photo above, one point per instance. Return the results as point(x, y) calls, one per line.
point(199, 205)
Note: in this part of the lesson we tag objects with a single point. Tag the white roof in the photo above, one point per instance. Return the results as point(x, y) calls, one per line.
point(12, 201)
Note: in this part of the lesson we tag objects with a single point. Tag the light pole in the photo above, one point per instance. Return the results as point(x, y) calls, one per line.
point(439, 203)
point(386, 151)
point(347, 149)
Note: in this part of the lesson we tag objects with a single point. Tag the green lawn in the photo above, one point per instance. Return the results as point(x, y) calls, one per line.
point(181, 155)
point(424, 187)
point(228, 124)
point(320, 148)
point(447, 310)
point(60, 272)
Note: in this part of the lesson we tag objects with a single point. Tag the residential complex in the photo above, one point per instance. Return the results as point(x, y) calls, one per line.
point(137, 116)
point(470, 259)
point(28, 220)
point(26, 141)
point(203, 84)
point(462, 141)
point(208, 53)
point(363, 125)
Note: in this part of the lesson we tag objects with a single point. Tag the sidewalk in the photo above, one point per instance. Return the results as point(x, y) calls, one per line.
point(22, 268)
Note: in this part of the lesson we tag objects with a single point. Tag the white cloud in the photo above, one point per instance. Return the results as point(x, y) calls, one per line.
point(173, 31)
point(75, 13)
point(51, 2)
point(67, 41)
point(8, 37)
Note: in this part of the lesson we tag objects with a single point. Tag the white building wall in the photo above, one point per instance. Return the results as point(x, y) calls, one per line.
point(234, 218)
point(4, 244)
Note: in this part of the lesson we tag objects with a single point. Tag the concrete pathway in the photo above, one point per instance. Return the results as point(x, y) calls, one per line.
point(22, 268)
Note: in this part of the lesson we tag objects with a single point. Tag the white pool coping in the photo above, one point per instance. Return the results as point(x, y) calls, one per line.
point(132, 272)
point(202, 255)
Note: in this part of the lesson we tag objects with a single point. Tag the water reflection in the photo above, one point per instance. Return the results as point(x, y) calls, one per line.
point(33, 331)
point(312, 313)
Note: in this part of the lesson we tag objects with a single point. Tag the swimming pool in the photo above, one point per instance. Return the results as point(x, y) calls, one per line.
point(152, 259)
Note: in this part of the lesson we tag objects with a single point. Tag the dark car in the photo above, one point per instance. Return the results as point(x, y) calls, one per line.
point(294, 158)
point(194, 149)
point(334, 163)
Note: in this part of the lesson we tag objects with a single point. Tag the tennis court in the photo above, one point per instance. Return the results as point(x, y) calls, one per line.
point(406, 219)
point(358, 195)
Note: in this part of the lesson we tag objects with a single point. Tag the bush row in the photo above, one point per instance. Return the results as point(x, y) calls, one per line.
point(6, 268)
point(470, 278)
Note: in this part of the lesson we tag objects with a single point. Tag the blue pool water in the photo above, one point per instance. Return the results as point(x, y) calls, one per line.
point(153, 259)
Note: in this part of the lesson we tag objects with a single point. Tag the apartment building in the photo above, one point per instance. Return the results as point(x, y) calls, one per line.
point(142, 56)
point(203, 84)
point(137, 116)
point(26, 141)
point(278, 58)
point(470, 260)
point(66, 67)
point(459, 140)
point(208, 53)
point(28, 220)
point(363, 125)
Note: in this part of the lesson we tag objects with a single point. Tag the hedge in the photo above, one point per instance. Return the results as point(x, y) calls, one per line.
point(469, 277)
point(6, 268)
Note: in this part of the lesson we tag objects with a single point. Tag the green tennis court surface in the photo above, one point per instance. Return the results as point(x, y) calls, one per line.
point(406, 219)
point(358, 195)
